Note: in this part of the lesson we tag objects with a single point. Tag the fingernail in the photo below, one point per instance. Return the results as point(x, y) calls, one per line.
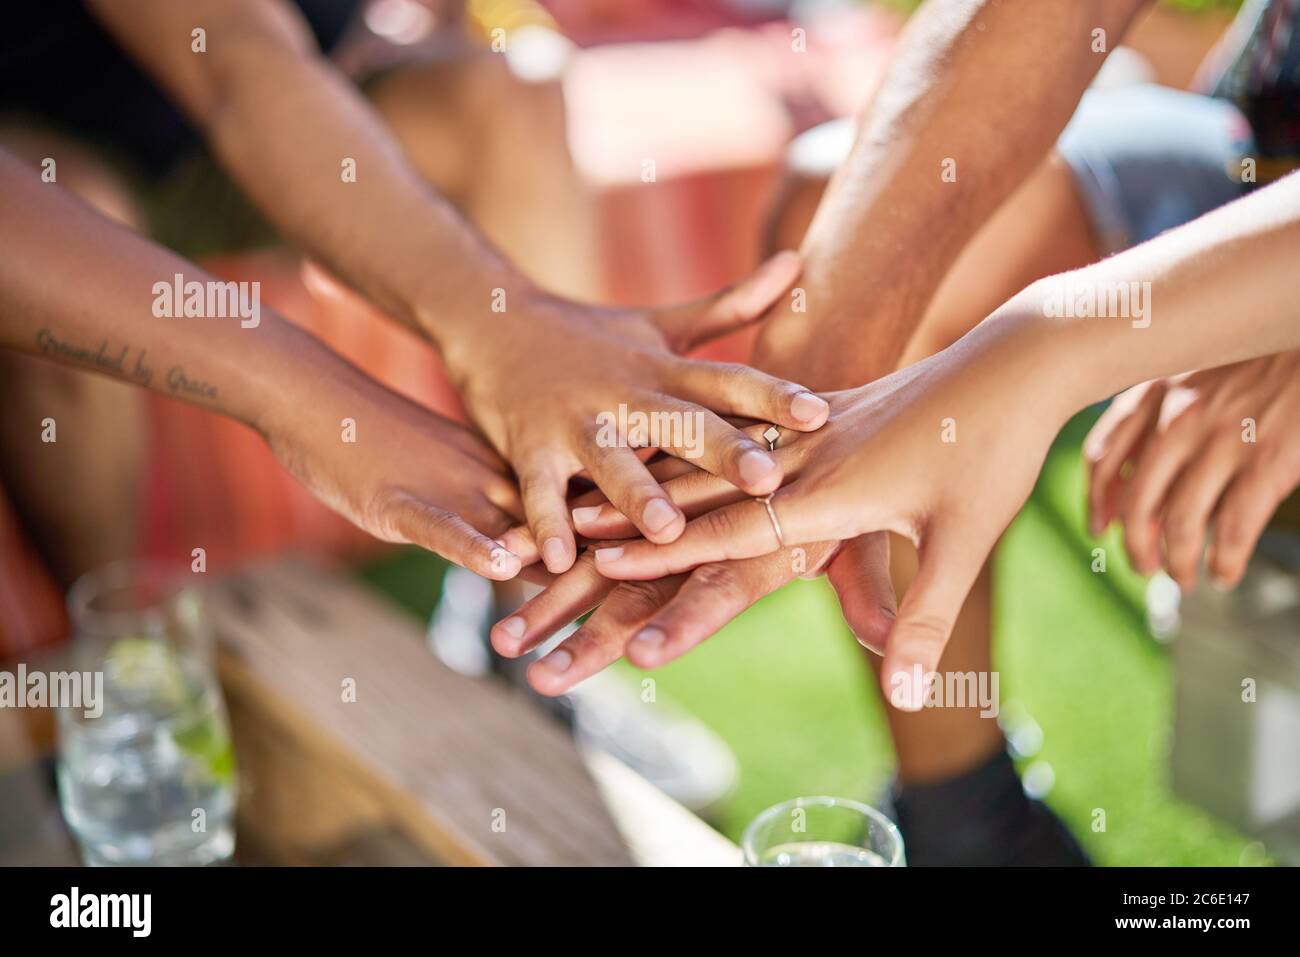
point(514, 627)
point(649, 637)
point(500, 558)
point(806, 407)
point(558, 661)
point(586, 515)
point(754, 465)
point(609, 554)
point(554, 552)
point(658, 515)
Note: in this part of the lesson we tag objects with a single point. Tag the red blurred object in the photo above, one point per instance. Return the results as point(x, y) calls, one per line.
point(592, 22)
point(714, 116)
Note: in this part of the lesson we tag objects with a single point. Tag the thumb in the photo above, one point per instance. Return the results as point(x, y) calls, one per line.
point(695, 323)
point(949, 563)
point(860, 576)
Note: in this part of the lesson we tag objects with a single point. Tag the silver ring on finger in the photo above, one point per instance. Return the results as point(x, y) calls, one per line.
point(766, 502)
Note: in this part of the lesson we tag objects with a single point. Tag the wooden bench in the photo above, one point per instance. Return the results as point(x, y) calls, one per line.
point(420, 766)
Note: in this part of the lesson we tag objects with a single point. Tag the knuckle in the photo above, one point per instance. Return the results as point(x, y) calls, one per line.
point(721, 581)
point(394, 515)
point(436, 519)
point(1182, 527)
point(929, 628)
point(735, 443)
point(380, 515)
point(591, 642)
point(594, 434)
point(737, 377)
point(632, 500)
point(1231, 533)
point(1182, 565)
point(720, 524)
point(535, 481)
point(430, 521)
point(1272, 480)
point(633, 601)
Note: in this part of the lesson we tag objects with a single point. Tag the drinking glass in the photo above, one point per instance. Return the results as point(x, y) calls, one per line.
point(151, 779)
point(822, 832)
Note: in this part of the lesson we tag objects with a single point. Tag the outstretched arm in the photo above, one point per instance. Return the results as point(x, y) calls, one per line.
point(78, 289)
point(289, 127)
point(291, 130)
point(947, 450)
point(975, 95)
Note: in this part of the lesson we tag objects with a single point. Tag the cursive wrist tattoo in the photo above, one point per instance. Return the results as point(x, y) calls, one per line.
point(123, 362)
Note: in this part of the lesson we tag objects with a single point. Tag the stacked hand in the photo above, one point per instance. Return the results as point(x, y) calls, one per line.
point(1211, 449)
point(686, 608)
point(692, 606)
point(401, 473)
point(900, 454)
point(542, 382)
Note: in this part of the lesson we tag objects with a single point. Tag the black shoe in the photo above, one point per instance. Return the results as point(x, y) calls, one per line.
point(982, 818)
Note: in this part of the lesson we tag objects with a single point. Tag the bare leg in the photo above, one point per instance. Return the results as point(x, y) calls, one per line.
point(497, 146)
point(1040, 230)
point(78, 496)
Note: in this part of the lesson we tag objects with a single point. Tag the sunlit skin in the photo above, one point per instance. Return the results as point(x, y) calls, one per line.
point(534, 370)
point(990, 83)
point(1213, 453)
point(882, 462)
point(407, 475)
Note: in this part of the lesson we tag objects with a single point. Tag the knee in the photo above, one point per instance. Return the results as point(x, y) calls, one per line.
point(77, 168)
point(811, 159)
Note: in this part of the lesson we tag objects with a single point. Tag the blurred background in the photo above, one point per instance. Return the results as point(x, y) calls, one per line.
point(568, 109)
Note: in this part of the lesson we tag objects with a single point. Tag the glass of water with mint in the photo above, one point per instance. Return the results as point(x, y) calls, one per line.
point(147, 776)
point(822, 832)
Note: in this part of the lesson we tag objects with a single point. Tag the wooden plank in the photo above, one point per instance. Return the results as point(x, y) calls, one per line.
point(32, 832)
point(403, 775)
point(293, 806)
point(467, 770)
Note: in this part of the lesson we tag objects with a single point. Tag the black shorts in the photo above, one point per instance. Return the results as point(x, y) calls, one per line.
point(60, 69)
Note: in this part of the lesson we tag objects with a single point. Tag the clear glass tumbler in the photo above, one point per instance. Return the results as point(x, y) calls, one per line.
point(150, 779)
point(822, 832)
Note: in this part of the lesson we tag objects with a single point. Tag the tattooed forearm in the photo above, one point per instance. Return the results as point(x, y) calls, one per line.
point(180, 384)
point(123, 362)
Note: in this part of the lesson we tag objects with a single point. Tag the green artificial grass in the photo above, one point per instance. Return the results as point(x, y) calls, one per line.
point(1073, 648)
point(789, 690)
